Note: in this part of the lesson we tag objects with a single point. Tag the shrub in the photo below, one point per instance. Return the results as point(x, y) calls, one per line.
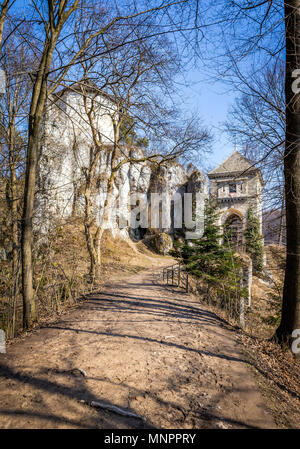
point(214, 263)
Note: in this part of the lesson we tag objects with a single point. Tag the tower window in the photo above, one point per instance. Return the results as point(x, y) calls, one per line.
point(232, 188)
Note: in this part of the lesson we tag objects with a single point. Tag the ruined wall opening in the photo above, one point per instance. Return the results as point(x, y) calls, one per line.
point(233, 231)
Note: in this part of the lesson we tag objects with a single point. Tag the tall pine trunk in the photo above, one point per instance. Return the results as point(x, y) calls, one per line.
point(290, 319)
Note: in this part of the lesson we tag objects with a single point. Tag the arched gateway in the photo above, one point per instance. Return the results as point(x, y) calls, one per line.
point(233, 230)
point(236, 185)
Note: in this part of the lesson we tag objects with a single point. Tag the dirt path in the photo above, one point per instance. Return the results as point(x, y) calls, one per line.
point(146, 348)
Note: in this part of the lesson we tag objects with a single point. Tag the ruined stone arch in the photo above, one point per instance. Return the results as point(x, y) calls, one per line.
point(233, 227)
point(230, 212)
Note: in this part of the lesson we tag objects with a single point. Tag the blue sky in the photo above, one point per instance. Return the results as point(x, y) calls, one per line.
point(212, 102)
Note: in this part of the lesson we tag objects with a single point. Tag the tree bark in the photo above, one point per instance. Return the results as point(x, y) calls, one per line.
point(29, 307)
point(291, 292)
point(110, 188)
point(13, 210)
point(94, 242)
point(38, 101)
point(13, 206)
point(88, 221)
point(4, 8)
point(282, 214)
point(101, 228)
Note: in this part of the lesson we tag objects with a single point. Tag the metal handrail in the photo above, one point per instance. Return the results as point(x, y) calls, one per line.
point(176, 269)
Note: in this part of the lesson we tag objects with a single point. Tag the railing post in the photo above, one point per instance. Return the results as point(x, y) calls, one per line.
point(171, 272)
point(242, 312)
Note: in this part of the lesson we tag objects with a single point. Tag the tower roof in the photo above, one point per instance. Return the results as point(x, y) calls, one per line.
point(234, 164)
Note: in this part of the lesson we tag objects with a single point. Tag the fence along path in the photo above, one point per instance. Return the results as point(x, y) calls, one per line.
point(178, 273)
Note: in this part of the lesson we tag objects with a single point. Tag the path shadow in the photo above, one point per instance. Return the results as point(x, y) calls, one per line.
point(121, 304)
point(152, 340)
point(80, 392)
point(166, 309)
point(125, 302)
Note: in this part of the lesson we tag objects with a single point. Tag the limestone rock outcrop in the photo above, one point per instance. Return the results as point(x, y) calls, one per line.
point(162, 243)
point(64, 158)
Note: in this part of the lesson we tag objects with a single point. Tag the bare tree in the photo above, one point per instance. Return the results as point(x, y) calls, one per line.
point(59, 49)
point(4, 7)
point(129, 76)
point(277, 33)
point(290, 319)
point(13, 119)
point(270, 28)
point(256, 123)
point(58, 14)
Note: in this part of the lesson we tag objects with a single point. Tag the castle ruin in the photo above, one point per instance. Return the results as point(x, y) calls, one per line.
point(236, 184)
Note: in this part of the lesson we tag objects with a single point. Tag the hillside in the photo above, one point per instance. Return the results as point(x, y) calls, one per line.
point(61, 267)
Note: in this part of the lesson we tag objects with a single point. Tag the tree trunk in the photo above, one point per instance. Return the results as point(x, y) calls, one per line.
point(88, 218)
point(108, 199)
point(94, 242)
point(281, 223)
point(100, 230)
point(12, 184)
point(88, 232)
point(58, 14)
point(37, 106)
point(291, 292)
point(4, 9)
point(29, 307)
point(13, 206)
